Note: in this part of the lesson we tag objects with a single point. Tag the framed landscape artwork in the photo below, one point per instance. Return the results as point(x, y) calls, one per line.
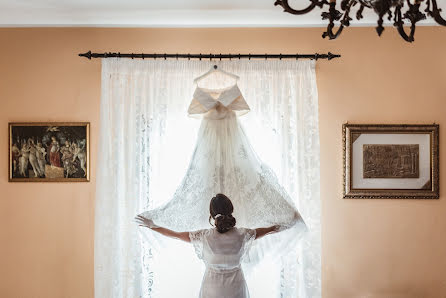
point(49, 152)
point(391, 161)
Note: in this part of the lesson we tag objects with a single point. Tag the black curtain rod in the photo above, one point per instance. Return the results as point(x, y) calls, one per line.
point(316, 56)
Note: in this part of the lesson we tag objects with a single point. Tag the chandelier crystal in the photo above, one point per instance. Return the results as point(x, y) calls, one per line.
point(398, 11)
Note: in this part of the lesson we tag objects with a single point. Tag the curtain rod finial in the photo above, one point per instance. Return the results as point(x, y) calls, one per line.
point(86, 55)
point(331, 56)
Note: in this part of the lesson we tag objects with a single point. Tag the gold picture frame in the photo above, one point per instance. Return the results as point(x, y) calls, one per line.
point(49, 152)
point(391, 161)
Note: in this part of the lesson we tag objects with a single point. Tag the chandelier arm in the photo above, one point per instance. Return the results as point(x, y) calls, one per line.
point(403, 34)
point(333, 14)
point(346, 19)
point(289, 9)
point(436, 14)
point(399, 24)
point(359, 15)
point(329, 32)
point(366, 3)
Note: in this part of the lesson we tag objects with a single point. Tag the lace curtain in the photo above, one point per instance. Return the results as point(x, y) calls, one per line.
point(146, 141)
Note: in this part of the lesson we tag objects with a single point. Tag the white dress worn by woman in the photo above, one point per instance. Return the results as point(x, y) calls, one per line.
point(222, 254)
point(224, 162)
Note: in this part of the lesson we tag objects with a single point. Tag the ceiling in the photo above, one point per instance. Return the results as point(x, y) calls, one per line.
point(167, 13)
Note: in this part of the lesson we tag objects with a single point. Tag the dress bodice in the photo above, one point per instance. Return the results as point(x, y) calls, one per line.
point(218, 103)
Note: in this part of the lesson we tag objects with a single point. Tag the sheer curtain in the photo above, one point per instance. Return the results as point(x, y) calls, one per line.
point(146, 141)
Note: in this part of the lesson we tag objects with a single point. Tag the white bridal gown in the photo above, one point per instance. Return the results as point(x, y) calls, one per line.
point(224, 162)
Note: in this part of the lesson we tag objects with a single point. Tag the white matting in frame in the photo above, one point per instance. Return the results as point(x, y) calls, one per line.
point(423, 140)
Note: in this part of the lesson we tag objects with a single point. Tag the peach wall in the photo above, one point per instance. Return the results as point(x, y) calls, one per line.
point(370, 248)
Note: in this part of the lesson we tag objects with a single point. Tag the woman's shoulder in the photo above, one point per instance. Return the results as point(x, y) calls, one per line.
point(201, 232)
point(199, 235)
point(234, 230)
point(245, 231)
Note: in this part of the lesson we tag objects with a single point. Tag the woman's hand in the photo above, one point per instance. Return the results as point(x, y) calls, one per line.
point(145, 222)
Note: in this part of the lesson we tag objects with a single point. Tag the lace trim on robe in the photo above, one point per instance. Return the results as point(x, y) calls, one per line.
point(196, 238)
point(250, 236)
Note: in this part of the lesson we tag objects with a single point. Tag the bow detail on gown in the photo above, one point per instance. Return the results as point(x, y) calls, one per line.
point(217, 104)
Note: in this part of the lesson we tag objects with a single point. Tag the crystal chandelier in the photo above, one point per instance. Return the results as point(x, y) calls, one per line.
point(397, 10)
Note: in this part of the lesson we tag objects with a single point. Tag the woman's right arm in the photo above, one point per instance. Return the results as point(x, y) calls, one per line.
point(144, 222)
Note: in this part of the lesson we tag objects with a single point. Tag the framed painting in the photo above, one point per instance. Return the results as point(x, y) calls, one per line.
point(391, 161)
point(49, 152)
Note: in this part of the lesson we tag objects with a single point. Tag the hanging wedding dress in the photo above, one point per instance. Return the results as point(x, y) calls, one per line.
point(224, 162)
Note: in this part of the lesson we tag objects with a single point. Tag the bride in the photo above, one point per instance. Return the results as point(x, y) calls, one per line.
point(221, 248)
point(223, 162)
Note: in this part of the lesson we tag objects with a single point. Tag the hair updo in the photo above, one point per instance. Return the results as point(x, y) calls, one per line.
point(222, 205)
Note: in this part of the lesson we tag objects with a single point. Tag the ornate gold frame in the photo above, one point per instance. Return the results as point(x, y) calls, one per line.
point(350, 193)
point(87, 127)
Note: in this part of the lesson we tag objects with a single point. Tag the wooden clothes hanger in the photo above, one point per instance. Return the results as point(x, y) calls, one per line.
point(213, 70)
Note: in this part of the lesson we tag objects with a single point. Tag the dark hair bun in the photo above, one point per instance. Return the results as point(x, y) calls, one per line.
point(224, 223)
point(221, 209)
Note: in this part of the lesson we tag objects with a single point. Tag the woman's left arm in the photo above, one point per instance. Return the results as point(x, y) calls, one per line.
point(260, 232)
point(144, 222)
point(184, 236)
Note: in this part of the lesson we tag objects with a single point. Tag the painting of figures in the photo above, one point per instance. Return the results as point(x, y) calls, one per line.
point(55, 151)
